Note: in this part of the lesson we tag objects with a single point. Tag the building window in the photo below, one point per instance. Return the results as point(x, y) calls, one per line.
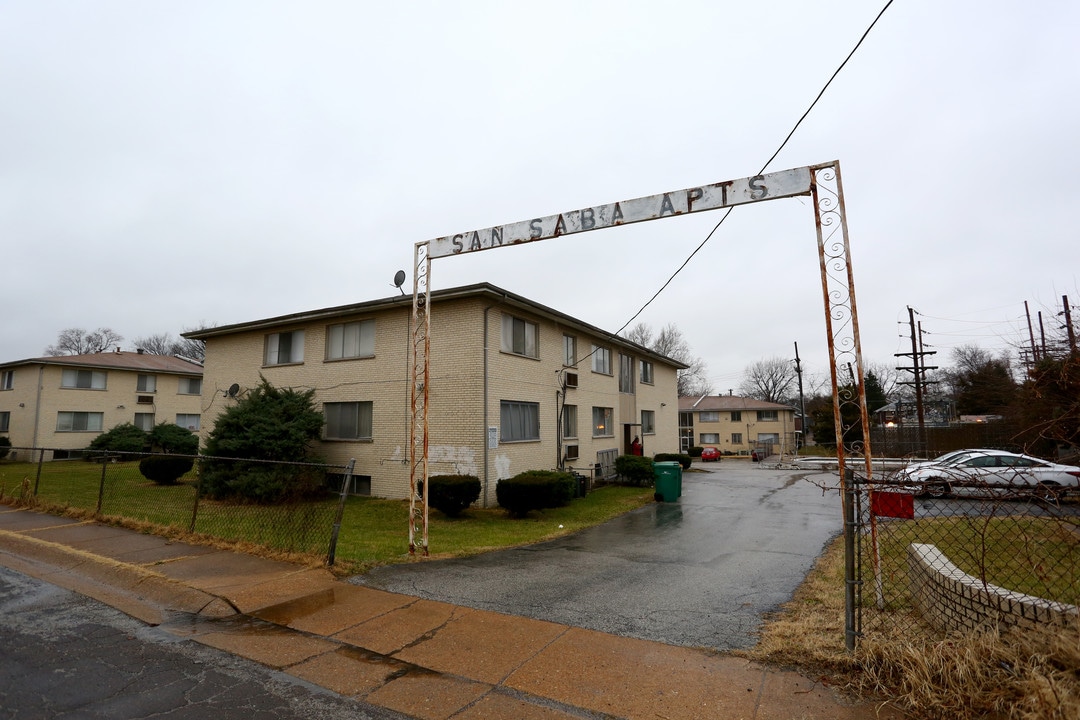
point(350, 340)
point(83, 379)
point(189, 421)
point(348, 420)
point(284, 348)
point(709, 416)
point(648, 422)
point(646, 372)
point(146, 383)
point(768, 415)
point(519, 336)
point(7, 379)
point(79, 421)
point(736, 416)
point(569, 350)
point(768, 437)
point(144, 421)
point(710, 438)
point(603, 422)
point(601, 360)
point(569, 421)
point(520, 421)
point(736, 438)
point(5, 420)
point(626, 374)
point(190, 386)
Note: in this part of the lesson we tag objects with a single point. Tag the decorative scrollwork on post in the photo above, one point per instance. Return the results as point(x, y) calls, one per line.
point(420, 365)
point(851, 420)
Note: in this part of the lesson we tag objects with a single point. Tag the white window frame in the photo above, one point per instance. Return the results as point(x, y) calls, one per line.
point(184, 386)
point(146, 383)
point(273, 352)
point(347, 341)
point(520, 337)
point(769, 438)
point(601, 360)
point(193, 426)
point(603, 419)
point(144, 421)
point(80, 379)
point(570, 419)
point(78, 421)
point(648, 422)
point(569, 350)
point(709, 416)
point(709, 439)
point(646, 372)
point(768, 416)
point(7, 379)
point(348, 420)
point(626, 373)
point(519, 421)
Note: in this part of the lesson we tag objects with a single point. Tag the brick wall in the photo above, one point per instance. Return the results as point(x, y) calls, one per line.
point(950, 599)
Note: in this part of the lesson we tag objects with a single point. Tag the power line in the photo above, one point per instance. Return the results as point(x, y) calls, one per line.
point(767, 163)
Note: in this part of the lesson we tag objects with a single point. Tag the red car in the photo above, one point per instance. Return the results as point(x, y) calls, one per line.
point(710, 453)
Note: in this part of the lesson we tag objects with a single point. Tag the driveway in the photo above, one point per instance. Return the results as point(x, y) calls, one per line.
point(698, 572)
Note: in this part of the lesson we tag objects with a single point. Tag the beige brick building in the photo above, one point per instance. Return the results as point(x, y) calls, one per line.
point(514, 385)
point(62, 403)
point(736, 425)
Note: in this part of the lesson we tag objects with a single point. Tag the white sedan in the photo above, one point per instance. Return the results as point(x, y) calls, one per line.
point(995, 471)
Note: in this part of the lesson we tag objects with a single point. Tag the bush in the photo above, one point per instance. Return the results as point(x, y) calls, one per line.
point(534, 490)
point(125, 437)
point(685, 460)
point(635, 469)
point(5, 447)
point(171, 438)
point(165, 469)
point(451, 494)
point(262, 482)
point(695, 452)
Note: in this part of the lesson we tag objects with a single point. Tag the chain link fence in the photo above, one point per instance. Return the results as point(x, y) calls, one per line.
point(961, 552)
point(112, 486)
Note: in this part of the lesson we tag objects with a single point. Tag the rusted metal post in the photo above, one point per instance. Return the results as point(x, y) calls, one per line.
point(340, 511)
point(851, 579)
point(421, 373)
point(101, 487)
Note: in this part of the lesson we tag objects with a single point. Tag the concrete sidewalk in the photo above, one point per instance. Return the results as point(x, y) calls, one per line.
point(424, 659)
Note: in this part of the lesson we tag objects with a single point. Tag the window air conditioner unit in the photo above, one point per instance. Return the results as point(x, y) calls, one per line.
point(146, 400)
point(571, 380)
point(571, 452)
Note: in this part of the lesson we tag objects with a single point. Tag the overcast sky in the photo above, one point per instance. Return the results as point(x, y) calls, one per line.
point(170, 165)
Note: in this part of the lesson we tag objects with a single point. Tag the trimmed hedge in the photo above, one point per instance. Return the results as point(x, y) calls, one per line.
point(452, 494)
point(635, 469)
point(535, 490)
point(165, 469)
point(695, 451)
point(685, 460)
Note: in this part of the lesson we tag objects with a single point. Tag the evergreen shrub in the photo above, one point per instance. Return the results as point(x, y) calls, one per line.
point(534, 490)
point(452, 494)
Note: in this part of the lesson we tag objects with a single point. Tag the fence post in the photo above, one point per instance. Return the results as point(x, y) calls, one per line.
point(198, 493)
point(101, 487)
point(37, 478)
point(340, 512)
point(850, 578)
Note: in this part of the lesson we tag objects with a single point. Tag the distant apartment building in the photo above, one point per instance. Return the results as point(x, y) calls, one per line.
point(736, 425)
point(62, 403)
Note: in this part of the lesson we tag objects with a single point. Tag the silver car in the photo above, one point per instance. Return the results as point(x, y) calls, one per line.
point(992, 470)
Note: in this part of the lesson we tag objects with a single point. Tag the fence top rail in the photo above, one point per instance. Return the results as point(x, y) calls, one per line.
point(83, 453)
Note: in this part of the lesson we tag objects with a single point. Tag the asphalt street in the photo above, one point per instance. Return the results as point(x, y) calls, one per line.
point(66, 656)
point(701, 572)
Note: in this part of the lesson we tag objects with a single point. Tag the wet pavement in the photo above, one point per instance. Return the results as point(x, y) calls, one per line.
point(700, 572)
point(420, 657)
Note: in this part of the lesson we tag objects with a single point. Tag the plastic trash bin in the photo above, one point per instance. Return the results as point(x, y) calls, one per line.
point(668, 481)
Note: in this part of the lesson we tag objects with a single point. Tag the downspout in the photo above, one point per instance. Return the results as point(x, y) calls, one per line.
point(485, 427)
point(37, 405)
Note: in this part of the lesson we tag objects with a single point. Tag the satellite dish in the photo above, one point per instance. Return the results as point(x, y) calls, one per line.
point(399, 280)
point(233, 389)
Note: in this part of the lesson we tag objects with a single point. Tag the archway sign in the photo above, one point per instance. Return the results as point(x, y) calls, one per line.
point(837, 286)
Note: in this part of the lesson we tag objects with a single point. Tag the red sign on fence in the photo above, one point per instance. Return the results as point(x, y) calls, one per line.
point(893, 504)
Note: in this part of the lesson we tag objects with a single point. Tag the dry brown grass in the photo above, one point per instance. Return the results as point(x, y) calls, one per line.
point(1020, 675)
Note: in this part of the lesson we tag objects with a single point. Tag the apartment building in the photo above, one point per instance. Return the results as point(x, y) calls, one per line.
point(736, 425)
point(514, 386)
point(62, 403)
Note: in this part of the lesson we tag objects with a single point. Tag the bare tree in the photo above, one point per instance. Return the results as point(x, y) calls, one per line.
point(888, 376)
point(76, 341)
point(164, 344)
point(160, 344)
point(771, 379)
point(670, 342)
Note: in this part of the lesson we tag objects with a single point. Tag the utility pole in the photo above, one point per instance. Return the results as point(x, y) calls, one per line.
point(918, 370)
point(1031, 336)
point(1069, 325)
point(802, 405)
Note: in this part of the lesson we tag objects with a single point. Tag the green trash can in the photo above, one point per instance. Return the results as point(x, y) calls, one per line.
point(668, 481)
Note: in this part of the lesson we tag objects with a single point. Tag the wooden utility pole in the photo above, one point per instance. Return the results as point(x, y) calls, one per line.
point(918, 370)
point(1068, 324)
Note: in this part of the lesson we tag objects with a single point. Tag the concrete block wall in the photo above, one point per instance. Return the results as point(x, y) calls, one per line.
point(950, 599)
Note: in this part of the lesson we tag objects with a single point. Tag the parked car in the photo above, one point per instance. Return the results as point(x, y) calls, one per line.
point(993, 470)
point(709, 454)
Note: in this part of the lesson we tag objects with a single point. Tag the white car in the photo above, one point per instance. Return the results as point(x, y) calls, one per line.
point(993, 470)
